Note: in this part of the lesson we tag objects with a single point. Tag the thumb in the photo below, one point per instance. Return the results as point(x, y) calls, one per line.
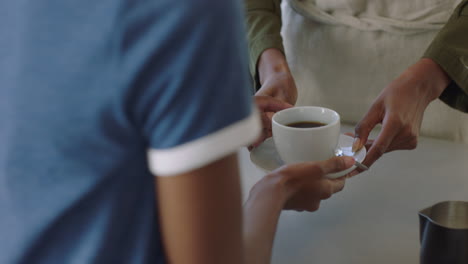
point(335, 164)
point(365, 126)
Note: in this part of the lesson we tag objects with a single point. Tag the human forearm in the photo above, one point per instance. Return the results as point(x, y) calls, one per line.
point(268, 65)
point(296, 187)
point(450, 51)
point(275, 77)
point(261, 213)
point(263, 27)
point(272, 61)
point(441, 73)
point(428, 76)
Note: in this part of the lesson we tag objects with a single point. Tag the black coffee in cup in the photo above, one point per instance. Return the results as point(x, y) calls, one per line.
point(306, 124)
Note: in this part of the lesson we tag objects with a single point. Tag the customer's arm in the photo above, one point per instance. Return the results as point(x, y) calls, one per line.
point(268, 66)
point(441, 73)
point(200, 210)
point(200, 214)
point(296, 187)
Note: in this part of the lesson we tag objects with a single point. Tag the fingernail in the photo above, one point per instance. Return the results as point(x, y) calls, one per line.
point(356, 144)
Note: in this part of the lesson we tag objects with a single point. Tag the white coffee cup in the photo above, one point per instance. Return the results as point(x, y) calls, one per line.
point(306, 144)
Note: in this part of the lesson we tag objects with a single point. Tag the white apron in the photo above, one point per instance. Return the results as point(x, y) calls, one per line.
point(342, 53)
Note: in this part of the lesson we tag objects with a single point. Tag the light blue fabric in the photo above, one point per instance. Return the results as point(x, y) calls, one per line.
point(86, 87)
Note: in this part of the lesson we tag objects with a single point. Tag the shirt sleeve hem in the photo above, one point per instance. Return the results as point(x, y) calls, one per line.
point(202, 151)
point(455, 95)
point(449, 51)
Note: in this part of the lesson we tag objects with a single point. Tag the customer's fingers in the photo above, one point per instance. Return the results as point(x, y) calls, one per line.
point(337, 185)
point(335, 164)
point(330, 186)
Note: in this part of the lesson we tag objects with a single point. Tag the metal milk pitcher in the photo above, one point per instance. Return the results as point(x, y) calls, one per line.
point(443, 230)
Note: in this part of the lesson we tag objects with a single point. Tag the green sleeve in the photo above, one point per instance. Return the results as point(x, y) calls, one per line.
point(263, 27)
point(450, 50)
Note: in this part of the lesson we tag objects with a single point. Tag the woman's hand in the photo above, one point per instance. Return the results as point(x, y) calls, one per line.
point(275, 77)
point(400, 108)
point(278, 90)
point(267, 106)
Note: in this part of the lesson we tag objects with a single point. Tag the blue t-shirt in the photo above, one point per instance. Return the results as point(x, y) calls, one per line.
point(97, 97)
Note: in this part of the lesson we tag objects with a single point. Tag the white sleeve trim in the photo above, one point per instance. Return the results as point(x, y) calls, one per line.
point(202, 151)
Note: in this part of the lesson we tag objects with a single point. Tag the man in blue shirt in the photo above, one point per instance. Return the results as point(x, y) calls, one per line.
point(97, 97)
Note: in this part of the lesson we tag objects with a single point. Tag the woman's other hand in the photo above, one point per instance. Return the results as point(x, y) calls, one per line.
point(400, 109)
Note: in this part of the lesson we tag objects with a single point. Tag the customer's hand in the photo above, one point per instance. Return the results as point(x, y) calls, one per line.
point(275, 77)
point(400, 108)
point(301, 186)
point(267, 106)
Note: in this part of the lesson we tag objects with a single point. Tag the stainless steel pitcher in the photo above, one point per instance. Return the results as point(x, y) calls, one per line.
point(444, 233)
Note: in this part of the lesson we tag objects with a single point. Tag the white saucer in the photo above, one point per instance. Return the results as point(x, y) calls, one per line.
point(266, 158)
